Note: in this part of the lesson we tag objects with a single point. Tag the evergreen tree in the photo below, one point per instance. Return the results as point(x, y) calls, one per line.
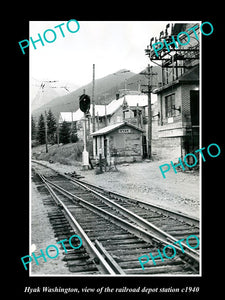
point(33, 129)
point(51, 127)
point(41, 130)
point(73, 134)
point(64, 133)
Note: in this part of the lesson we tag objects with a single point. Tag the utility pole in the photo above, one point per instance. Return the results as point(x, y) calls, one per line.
point(149, 114)
point(57, 131)
point(93, 100)
point(149, 75)
point(71, 127)
point(46, 133)
point(105, 114)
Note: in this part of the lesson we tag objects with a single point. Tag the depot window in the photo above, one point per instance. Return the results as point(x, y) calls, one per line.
point(169, 105)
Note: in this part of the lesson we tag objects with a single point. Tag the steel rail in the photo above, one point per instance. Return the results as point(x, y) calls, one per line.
point(109, 258)
point(139, 220)
point(132, 216)
point(135, 229)
point(89, 246)
point(181, 216)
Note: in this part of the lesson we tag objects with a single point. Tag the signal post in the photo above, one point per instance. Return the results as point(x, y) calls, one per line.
point(84, 104)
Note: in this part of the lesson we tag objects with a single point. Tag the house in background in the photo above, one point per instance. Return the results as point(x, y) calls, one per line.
point(76, 119)
point(131, 107)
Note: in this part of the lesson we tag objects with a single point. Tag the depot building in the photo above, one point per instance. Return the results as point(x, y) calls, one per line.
point(120, 142)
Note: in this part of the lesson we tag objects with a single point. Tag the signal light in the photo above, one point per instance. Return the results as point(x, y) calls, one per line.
point(84, 103)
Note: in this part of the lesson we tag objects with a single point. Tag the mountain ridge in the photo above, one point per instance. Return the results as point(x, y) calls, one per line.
point(105, 91)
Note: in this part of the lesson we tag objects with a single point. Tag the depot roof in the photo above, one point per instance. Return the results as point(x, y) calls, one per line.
point(113, 127)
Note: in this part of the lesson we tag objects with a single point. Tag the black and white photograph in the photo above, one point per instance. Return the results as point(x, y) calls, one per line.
point(115, 149)
point(117, 157)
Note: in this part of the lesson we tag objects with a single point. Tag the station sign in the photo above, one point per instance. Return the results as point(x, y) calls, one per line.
point(124, 130)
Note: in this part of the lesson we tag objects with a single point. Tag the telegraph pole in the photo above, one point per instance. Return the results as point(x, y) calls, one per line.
point(149, 114)
point(46, 133)
point(149, 75)
point(93, 100)
point(57, 131)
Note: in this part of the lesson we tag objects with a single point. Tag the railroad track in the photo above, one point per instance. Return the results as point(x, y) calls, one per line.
point(151, 217)
point(116, 230)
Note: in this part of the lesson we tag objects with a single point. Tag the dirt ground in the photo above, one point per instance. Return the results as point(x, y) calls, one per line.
point(144, 181)
point(42, 236)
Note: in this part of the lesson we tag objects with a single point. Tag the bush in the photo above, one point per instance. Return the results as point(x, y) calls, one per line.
point(65, 154)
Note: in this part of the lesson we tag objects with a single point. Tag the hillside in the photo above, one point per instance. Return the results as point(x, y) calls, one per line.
point(105, 91)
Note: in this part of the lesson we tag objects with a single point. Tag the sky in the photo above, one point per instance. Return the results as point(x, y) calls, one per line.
point(110, 45)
